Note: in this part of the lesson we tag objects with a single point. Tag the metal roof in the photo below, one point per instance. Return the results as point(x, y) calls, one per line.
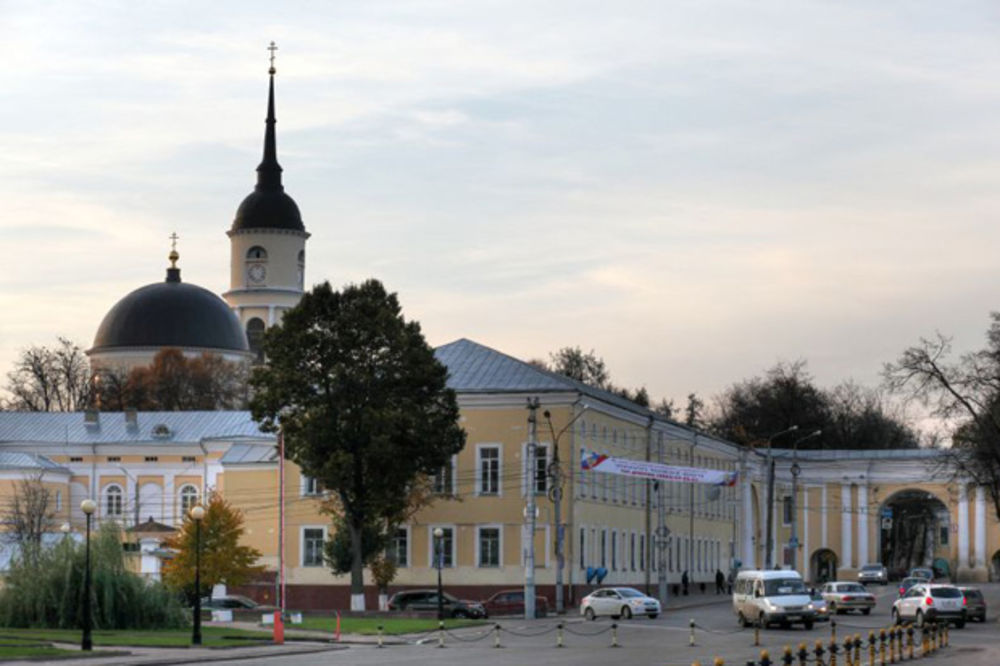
point(250, 453)
point(29, 461)
point(69, 428)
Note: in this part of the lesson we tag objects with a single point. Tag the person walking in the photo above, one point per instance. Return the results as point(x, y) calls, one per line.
point(720, 582)
point(685, 582)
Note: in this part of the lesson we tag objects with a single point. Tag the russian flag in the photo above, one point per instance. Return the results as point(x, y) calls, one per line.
point(592, 460)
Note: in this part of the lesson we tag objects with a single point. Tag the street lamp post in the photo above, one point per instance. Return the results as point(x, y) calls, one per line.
point(769, 542)
point(88, 506)
point(197, 513)
point(793, 541)
point(439, 561)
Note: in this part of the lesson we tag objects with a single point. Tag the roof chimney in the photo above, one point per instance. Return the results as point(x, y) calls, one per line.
point(131, 418)
point(92, 418)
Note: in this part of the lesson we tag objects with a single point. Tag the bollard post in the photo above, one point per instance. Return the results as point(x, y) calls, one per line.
point(871, 648)
point(765, 658)
point(818, 651)
point(380, 636)
point(614, 635)
point(940, 634)
point(947, 635)
point(441, 634)
point(718, 661)
point(881, 646)
point(923, 641)
point(756, 634)
point(833, 653)
point(691, 636)
point(892, 645)
point(803, 654)
point(857, 649)
point(899, 643)
point(833, 630)
point(559, 635)
point(787, 657)
point(496, 635)
point(848, 657)
point(909, 640)
point(931, 631)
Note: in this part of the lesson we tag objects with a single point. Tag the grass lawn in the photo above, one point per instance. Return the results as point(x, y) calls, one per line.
point(369, 625)
point(211, 637)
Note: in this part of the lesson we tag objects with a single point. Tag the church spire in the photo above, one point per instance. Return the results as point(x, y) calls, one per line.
point(269, 171)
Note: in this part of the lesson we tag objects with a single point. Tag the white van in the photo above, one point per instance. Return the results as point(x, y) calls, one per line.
point(772, 597)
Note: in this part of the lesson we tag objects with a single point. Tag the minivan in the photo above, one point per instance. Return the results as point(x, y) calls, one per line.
point(772, 597)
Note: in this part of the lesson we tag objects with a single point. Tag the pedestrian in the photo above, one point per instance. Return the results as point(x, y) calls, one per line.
point(729, 581)
point(720, 582)
point(684, 582)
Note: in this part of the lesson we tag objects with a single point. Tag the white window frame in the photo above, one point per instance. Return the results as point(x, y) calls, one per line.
point(409, 546)
point(180, 498)
point(454, 544)
point(452, 464)
point(105, 497)
point(489, 526)
point(479, 469)
point(527, 476)
point(305, 482)
point(302, 545)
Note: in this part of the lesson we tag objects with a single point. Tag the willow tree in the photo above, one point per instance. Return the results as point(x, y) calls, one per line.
point(362, 402)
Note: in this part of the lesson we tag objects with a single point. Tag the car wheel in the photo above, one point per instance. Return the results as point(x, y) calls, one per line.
point(895, 617)
point(626, 613)
point(741, 619)
point(589, 613)
point(919, 620)
point(866, 611)
point(653, 616)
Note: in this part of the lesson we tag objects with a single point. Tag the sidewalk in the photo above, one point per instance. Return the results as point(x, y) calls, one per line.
point(169, 656)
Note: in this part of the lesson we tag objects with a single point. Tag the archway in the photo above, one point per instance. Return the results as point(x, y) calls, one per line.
point(823, 566)
point(914, 530)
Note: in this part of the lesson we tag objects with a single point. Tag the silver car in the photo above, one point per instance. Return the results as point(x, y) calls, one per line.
point(842, 597)
point(930, 603)
point(873, 573)
point(623, 602)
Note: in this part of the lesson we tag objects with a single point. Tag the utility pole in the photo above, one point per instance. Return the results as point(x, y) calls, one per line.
point(530, 512)
point(793, 542)
point(555, 492)
point(690, 553)
point(769, 542)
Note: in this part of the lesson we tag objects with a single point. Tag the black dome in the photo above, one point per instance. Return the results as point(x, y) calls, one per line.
point(171, 314)
point(268, 209)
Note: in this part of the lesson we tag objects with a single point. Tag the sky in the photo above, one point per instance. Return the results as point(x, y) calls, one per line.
point(694, 190)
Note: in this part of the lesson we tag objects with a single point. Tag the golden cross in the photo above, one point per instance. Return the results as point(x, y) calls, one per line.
point(272, 48)
point(173, 240)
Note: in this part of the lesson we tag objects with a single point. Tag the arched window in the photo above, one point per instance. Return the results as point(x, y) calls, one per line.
point(257, 253)
point(302, 268)
point(255, 337)
point(113, 501)
point(189, 498)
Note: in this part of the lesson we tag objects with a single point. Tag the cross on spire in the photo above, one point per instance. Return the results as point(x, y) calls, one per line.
point(272, 48)
point(173, 240)
point(173, 257)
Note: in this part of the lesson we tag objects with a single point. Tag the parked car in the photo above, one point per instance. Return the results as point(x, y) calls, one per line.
point(873, 573)
point(926, 602)
point(427, 600)
point(907, 583)
point(975, 604)
point(766, 597)
point(235, 602)
point(511, 602)
point(842, 597)
point(820, 606)
point(623, 602)
point(922, 572)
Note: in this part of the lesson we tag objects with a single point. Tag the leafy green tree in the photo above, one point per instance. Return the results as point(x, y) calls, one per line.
point(362, 401)
point(223, 559)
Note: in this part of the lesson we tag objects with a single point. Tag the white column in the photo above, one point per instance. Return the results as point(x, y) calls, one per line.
point(748, 526)
point(963, 525)
point(270, 316)
point(822, 513)
point(776, 548)
point(804, 537)
point(980, 534)
point(863, 557)
point(846, 546)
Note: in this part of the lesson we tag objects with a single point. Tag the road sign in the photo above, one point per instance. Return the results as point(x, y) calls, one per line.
point(887, 523)
point(887, 512)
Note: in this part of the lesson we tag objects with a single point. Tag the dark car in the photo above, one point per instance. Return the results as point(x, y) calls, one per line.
point(427, 600)
point(907, 583)
point(235, 602)
point(511, 602)
point(975, 604)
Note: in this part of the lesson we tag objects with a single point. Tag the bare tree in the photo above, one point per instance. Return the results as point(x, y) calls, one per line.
point(29, 515)
point(50, 379)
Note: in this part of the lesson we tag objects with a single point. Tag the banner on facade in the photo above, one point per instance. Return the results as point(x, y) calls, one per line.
point(597, 462)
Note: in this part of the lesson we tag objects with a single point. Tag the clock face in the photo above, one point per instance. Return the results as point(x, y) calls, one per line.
point(256, 273)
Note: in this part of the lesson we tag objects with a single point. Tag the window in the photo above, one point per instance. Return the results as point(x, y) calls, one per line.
point(257, 253)
point(489, 546)
point(583, 542)
point(188, 459)
point(604, 548)
point(541, 476)
point(151, 459)
point(114, 458)
point(582, 491)
point(443, 549)
point(489, 470)
point(189, 498)
point(786, 510)
point(401, 547)
point(632, 551)
point(75, 459)
point(113, 501)
point(255, 338)
point(444, 479)
point(58, 500)
point(309, 486)
point(944, 535)
point(642, 552)
point(614, 550)
point(312, 546)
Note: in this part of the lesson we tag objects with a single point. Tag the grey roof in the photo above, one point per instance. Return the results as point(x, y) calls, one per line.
point(29, 461)
point(111, 427)
point(250, 453)
point(856, 454)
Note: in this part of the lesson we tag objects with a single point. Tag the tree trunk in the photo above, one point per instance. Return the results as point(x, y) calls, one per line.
point(357, 568)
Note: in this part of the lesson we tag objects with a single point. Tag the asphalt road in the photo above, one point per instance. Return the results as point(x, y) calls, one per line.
point(664, 641)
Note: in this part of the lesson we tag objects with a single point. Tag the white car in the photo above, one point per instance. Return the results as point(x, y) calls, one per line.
point(618, 602)
point(930, 603)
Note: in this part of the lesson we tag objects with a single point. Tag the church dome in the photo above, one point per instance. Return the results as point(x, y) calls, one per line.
point(171, 314)
point(268, 207)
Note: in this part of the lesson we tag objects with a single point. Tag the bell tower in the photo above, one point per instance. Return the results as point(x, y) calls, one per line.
point(267, 244)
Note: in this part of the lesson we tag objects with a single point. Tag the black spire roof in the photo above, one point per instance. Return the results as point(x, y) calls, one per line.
point(268, 207)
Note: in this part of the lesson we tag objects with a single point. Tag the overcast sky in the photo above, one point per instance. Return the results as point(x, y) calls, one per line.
point(695, 190)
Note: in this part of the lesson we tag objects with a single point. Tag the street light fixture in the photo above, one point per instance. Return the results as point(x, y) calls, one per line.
point(197, 513)
point(439, 562)
point(769, 543)
point(88, 506)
